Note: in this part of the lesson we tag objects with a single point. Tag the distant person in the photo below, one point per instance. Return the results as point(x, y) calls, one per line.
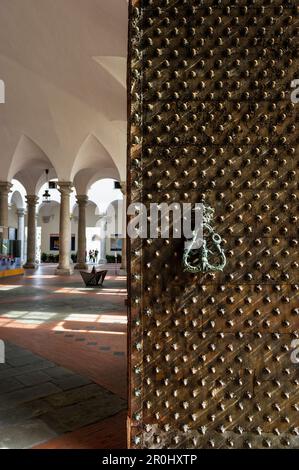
point(96, 255)
point(90, 256)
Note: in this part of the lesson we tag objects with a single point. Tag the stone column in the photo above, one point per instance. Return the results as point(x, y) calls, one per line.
point(5, 189)
point(103, 223)
point(21, 231)
point(64, 267)
point(124, 224)
point(81, 252)
point(31, 232)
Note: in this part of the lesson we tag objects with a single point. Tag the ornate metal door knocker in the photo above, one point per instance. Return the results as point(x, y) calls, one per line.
point(205, 258)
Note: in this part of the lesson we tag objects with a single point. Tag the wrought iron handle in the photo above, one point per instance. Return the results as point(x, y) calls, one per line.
point(197, 259)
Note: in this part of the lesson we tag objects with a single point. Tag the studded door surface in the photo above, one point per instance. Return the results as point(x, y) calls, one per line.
point(213, 355)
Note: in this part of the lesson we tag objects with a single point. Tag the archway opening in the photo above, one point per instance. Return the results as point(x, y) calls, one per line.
point(62, 139)
point(105, 232)
point(12, 246)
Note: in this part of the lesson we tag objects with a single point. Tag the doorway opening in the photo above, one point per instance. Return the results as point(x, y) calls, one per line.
point(64, 380)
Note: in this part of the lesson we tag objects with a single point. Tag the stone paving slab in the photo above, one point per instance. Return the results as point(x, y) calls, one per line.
point(9, 385)
point(40, 400)
point(71, 418)
point(22, 360)
point(9, 371)
point(74, 396)
point(25, 394)
point(33, 378)
point(67, 383)
point(17, 352)
point(58, 372)
point(25, 435)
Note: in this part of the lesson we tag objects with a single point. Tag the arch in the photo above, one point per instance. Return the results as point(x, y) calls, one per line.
point(74, 206)
point(107, 173)
point(55, 197)
point(29, 163)
point(46, 211)
point(93, 162)
point(17, 195)
point(102, 193)
point(114, 214)
point(50, 204)
point(43, 179)
point(17, 200)
point(92, 212)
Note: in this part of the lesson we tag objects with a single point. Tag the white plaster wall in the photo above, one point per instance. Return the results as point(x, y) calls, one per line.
point(52, 227)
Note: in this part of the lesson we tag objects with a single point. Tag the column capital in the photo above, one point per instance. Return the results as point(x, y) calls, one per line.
point(5, 187)
point(31, 200)
point(123, 187)
point(20, 212)
point(82, 200)
point(65, 187)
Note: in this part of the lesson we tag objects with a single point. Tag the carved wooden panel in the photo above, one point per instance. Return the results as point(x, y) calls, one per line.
point(211, 119)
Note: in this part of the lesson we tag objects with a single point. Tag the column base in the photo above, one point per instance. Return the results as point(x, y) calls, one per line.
point(82, 266)
point(64, 271)
point(30, 266)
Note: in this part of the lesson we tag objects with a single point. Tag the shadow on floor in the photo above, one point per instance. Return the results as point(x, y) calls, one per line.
point(40, 401)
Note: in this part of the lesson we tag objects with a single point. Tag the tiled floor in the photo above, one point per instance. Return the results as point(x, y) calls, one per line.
point(78, 329)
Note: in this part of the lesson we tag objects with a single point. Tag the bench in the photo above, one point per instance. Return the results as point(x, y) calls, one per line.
point(93, 278)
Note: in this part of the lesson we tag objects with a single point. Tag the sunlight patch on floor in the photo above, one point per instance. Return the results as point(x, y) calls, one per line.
point(114, 290)
point(103, 318)
point(120, 319)
point(119, 294)
point(7, 287)
point(61, 327)
point(42, 317)
point(71, 290)
point(30, 315)
point(41, 276)
point(23, 317)
point(82, 317)
point(86, 290)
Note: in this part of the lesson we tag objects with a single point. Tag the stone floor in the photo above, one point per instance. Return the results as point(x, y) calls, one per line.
point(66, 360)
point(40, 400)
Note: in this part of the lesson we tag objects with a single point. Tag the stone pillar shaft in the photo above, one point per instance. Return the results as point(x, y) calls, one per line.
point(64, 266)
point(103, 258)
point(31, 232)
point(21, 231)
point(81, 252)
point(5, 188)
point(124, 224)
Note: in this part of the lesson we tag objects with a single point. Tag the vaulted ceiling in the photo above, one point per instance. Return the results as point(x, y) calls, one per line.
point(64, 66)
